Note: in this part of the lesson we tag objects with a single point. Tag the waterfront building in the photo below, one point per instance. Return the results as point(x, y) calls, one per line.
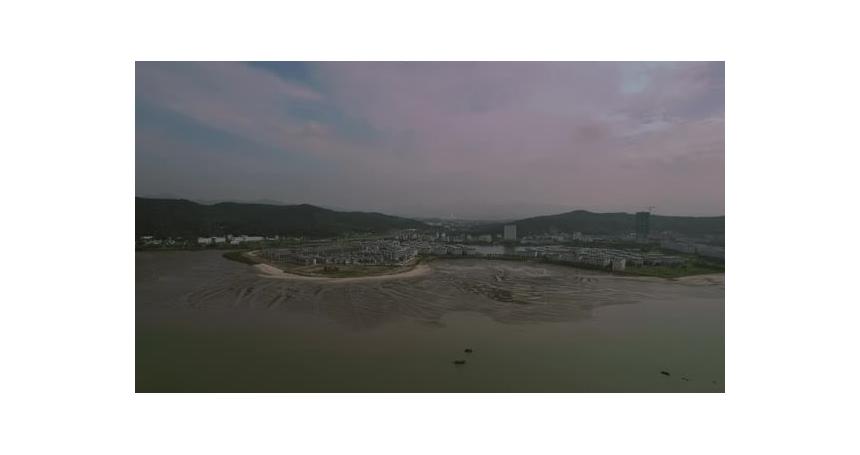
point(510, 232)
point(211, 240)
point(236, 239)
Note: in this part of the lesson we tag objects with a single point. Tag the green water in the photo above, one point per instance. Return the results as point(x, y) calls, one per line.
point(205, 324)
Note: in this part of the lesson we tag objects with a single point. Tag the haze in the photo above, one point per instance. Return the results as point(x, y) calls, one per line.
point(469, 140)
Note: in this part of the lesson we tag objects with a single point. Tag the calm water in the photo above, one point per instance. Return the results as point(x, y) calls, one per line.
point(208, 324)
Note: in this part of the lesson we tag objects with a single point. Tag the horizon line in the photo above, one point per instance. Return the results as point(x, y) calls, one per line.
point(498, 219)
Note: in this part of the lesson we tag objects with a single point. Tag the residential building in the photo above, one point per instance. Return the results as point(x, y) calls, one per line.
point(511, 232)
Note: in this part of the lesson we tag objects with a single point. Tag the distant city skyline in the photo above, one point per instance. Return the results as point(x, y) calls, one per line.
point(473, 140)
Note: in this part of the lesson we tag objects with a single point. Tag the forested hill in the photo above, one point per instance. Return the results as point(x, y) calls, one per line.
point(183, 218)
point(612, 224)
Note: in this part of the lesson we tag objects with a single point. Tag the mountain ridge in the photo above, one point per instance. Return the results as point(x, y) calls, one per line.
point(185, 218)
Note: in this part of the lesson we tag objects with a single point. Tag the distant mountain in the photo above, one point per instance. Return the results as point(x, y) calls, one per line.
point(611, 223)
point(183, 218)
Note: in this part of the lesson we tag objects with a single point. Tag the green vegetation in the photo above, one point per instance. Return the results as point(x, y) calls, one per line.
point(692, 268)
point(181, 218)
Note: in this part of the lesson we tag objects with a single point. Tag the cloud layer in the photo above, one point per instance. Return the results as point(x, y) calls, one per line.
point(434, 139)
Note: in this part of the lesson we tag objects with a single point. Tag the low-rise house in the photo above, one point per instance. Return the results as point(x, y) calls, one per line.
point(211, 240)
point(237, 239)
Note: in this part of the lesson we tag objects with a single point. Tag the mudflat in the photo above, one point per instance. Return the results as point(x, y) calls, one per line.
point(270, 271)
point(207, 324)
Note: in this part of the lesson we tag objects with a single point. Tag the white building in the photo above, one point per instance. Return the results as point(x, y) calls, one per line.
point(511, 232)
point(210, 240)
point(236, 239)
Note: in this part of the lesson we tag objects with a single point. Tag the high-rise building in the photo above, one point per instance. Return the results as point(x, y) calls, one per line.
point(511, 232)
point(643, 224)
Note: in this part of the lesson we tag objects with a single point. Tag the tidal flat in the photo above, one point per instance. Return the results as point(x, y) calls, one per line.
point(207, 324)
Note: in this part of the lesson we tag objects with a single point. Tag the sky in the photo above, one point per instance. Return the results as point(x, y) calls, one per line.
point(469, 140)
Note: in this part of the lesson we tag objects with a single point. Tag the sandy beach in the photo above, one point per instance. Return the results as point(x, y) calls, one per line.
point(268, 271)
point(696, 280)
point(709, 279)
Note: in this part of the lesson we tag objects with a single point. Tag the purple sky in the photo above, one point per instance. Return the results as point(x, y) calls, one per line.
point(476, 140)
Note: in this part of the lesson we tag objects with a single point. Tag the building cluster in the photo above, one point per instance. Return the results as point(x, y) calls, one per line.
point(614, 258)
point(447, 237)
point(408, 234)
point(406, 245)
point(710, 251)
point(554, 238)
point(232, 239)
point(510, 232)
point(608, 258)
point(368, 252)
point(399, 252)
point(151, 241)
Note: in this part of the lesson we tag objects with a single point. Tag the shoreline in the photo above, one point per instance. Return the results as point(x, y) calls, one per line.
point(420, 270)
point(267, 270)
point(709, 278)
point(703, 279)
point(270, 271)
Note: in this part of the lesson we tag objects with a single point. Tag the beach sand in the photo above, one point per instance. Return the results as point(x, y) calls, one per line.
point(268, 271)
point(710, 279)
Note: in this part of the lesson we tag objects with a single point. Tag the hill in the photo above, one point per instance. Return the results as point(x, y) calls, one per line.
point(183, 218)
point(611, 224)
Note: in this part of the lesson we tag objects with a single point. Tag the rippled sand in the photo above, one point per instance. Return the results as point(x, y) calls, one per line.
point(560, 313)
point(269, 271)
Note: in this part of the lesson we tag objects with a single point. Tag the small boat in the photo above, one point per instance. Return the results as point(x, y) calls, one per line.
point(459, 362)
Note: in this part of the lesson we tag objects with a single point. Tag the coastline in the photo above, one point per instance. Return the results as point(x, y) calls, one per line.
point(696, 280)
point(710, 278)
point(269, 271)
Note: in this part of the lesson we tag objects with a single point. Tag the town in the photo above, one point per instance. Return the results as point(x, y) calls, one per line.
point(640, 250)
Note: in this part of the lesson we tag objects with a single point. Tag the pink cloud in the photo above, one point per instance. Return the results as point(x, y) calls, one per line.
point(610, 136)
